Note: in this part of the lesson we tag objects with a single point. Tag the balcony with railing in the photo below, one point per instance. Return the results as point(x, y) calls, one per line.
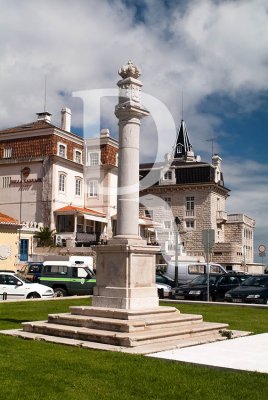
point(189, 213)
point(221, 217)
point(240, 218)
point(85, 237)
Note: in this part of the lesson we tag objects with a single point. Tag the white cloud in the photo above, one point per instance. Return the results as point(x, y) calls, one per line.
point(201, 47)
point(248, 181)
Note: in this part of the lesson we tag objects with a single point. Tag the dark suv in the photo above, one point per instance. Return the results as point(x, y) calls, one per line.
point(32, 270)
point(67, 279)
point(219, 284)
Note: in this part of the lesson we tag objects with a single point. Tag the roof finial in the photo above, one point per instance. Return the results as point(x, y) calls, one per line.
point(182, 104)
point(129, 71)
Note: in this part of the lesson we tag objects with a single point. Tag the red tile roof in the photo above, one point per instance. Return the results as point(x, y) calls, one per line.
point(41, 124)
point(79, 210)
point(5, 219)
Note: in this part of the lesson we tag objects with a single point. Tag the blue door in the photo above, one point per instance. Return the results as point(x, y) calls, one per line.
point(24, 249)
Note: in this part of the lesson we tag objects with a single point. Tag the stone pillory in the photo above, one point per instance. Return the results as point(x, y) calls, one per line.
point(129, 112)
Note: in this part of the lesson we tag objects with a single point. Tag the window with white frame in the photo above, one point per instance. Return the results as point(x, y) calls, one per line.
point(190, 206)
point(78, 156)
point(93, 158)
point(62, 150)
point(93, 188)
point(168, 176)
point(6, 180)
point(190, 224)
point(179, 149)
point(7, 152)
point(167, 225)
point(62, 182)
point(167, 201)
point(148, 213)
point(78, 186)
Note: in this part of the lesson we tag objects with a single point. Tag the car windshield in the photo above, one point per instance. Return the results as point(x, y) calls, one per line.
point(256, 281)
point(22, 278)
point(89, 271)
point(203, 279)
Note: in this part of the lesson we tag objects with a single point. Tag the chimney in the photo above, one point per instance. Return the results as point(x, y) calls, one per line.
point(216, 161)
point(44, 116)
point(105, 132)
point(66, 119)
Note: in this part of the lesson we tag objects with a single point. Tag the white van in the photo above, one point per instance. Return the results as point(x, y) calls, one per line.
point(188, 271)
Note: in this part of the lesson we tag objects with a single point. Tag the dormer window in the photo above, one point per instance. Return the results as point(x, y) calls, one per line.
point(62, 150)
point(168, 176)
point(179, 149)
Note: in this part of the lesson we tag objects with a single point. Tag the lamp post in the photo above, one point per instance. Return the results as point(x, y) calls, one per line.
point(24, 173)
point(176, 227)
point(19, 249)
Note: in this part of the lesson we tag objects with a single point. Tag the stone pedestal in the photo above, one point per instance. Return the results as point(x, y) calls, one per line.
point(126, 275)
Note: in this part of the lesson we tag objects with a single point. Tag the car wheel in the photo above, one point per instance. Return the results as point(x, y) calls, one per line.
point(60, 292)
point(33, 295)
point(161, 293)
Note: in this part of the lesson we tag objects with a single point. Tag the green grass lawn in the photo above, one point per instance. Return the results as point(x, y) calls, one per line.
point(36, 370)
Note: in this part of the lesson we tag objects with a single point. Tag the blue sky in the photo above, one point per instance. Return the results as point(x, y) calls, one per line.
point(215, 52)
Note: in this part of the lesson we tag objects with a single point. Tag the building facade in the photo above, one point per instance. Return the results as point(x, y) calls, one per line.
point(51, 177)
point(194, 191)
point(8, 242)
point(41, 173)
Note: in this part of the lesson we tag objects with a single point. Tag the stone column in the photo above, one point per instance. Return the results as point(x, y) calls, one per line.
point(129, 111)
point(126, 266)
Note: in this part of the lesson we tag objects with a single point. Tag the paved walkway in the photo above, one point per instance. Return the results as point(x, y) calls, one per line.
point(248, 353)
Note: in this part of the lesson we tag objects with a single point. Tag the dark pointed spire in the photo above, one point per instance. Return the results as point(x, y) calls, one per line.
point(183, 147)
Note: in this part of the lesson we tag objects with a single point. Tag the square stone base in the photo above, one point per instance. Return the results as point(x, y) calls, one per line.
point(126, 276)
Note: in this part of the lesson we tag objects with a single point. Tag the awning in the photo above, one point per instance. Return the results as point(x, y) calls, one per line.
point(95, 218)
point(148, 222)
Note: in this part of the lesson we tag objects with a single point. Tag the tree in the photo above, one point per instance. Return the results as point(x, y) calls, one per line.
point(45, 236)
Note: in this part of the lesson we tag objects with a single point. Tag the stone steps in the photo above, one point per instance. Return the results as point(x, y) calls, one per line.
point(119, 325)
point(127, 339)
point(122, 330)
point(117, 313)
point(142, 349)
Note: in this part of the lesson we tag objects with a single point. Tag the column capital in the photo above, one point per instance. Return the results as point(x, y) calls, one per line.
point(127, 111)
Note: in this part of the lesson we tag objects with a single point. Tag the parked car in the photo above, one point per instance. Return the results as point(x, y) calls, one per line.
point(161, 278)
point(219, 284)
point(32, 270)
point(164, 290)
point(67, 279)
point(253, 290)
point(13, 286)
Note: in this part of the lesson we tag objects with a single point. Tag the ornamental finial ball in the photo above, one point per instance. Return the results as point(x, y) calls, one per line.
point(129, 71)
